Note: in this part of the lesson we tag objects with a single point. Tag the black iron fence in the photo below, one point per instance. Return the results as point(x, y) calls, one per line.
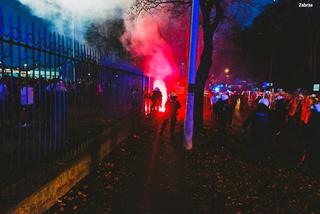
point(55, 92)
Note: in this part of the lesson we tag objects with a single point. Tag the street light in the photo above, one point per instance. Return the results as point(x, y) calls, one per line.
point(226, 70)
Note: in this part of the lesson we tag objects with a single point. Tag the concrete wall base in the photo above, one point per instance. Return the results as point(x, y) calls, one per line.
point(46, 196)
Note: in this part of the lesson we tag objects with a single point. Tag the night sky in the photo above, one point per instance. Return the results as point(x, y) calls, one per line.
point(15, 8)
point(244, 13)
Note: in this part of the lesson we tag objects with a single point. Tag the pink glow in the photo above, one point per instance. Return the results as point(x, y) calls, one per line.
point(158, 45)
point(144, 40)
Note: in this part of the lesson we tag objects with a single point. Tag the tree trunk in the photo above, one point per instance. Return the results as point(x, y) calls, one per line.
point(206, 56)
point(317, 50)
point(313, 55)
point(201, 78)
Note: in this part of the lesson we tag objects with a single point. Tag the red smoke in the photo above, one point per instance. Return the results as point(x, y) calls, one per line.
point(143, 39)
point(159, 45)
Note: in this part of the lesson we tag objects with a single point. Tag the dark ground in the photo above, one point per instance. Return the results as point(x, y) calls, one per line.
point(150, 174)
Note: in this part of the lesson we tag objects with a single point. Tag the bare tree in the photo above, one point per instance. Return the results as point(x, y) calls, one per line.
point(212, 14)
point(105, 37)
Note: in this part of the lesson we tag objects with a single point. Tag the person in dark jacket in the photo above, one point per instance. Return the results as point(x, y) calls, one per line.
point(261, 130)
point(224, 117)
point(156, 99)
point(280, 114)
point(172, 106)
point(4, 94)
point(313, 145)
point(135, 99)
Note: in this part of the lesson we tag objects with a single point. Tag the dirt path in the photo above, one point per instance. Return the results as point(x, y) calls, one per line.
point(149, 174)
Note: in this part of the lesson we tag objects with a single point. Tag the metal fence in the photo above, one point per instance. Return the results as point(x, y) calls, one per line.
point(55, 92)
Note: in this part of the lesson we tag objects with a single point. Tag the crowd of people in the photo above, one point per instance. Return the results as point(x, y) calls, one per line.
point(265, 114)
point(172, 106)
point(22, 98)
point(271, 114)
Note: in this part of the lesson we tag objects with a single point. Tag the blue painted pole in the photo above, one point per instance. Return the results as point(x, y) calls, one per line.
point(188, 123)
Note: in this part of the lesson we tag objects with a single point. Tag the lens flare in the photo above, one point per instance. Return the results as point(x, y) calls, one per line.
point(162, 86)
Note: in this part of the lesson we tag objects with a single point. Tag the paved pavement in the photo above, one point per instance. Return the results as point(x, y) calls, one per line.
point(151, 174)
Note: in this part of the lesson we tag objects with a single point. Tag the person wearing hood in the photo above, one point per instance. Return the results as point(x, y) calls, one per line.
point(172, 106)
point(135, 99)
point(4, 94)
point(261, 130)
point(4, 101)
point(214, 105)
point(313, 136)
point(281, 113)
point(224, 117)
point(156, 99)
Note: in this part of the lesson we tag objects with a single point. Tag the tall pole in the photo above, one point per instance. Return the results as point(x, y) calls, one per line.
point(188, 123)
point(271, 68)
point(271, 60)
point(74, 46)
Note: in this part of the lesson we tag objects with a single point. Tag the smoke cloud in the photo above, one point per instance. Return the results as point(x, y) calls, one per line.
point(68, 16)
point(161, 40)
point(143, 39)
point(157, 42)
